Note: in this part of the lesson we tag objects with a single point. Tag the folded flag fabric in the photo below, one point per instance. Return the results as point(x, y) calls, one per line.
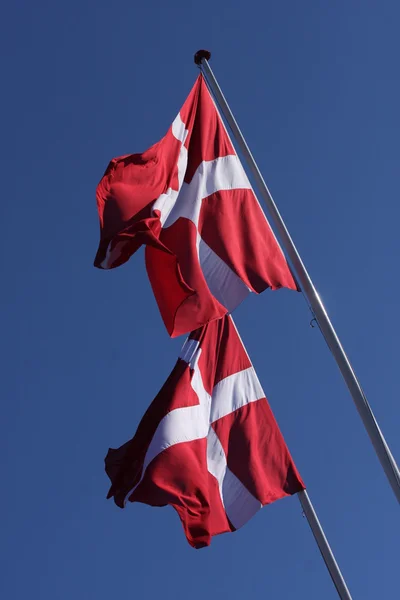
point(209, 444)
point(188, 199)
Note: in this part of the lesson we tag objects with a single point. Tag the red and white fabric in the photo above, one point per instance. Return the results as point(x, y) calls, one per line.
point(188, 199)
point(208, 444)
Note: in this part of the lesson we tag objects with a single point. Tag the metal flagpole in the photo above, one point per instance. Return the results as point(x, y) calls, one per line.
point(307, 287)
point(323, 546)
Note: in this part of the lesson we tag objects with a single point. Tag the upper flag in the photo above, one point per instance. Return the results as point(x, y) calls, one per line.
point(208, 445)
point(188, 199)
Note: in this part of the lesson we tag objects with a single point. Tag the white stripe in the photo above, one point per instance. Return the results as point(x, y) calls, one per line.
point(179, 130)
point(112, 254)
point(224, 173)
point(179, 425)
point(222, 282)
point(198, 386)
point(240, 505)
point(235, 391)
point(216, 459)
point(189, 350)
point(166, 201)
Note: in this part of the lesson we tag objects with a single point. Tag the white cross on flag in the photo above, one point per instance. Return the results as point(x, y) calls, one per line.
point(188, 199)
point(208, 444)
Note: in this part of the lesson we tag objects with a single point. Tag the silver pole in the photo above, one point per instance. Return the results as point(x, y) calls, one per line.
point(323, 546)
point(378, 441)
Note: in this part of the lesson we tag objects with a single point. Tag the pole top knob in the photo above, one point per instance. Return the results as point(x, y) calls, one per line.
point(200, 54)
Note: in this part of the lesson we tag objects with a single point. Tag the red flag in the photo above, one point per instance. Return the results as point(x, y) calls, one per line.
point(188, 199)
point(208, 444)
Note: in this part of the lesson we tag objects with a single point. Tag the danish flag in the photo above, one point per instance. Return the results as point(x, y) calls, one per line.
point(208, 445)
point(188, 199)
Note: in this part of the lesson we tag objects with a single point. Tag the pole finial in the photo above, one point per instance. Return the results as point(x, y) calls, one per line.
point(200, 54)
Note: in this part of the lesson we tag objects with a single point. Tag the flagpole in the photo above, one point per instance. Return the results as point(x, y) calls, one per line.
point(307, 287)
point(324, 546)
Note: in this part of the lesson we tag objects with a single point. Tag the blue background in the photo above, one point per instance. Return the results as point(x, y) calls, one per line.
point(315, 88)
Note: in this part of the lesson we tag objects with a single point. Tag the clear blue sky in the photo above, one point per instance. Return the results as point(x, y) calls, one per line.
point(315, 88)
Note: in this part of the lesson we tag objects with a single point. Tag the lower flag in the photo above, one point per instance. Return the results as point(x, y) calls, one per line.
point(208, 444)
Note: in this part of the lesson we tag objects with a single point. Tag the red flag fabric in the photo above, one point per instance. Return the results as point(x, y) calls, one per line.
point(187, 198)
point(208, 444)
